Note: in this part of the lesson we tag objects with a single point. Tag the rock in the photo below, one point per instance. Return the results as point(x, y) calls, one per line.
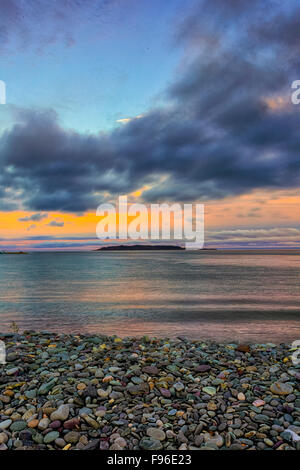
point(209, 390)
point(183, 447)
point(3, 438)
point(72, 437)
point(241, 397)
point(104, 445)
point(61, 414)
point(81, 386)
point(5, 424)
point(120, 441)
point(99, 373)
point(102, 393)
point(292, 435)
point(156, 433)
point(25, 435)
point(203, 368)
point(92, 445)
point(38, 438)
point(286, 436)
point(71, 423)
point(30, 394)
point(274, 369)
point(215, 440)
point(150, 370)
point(92, 422)
point(261, 418)
point(18, 426)
point(211, 406)
point(268, 442)
point(85, 411)
point(290, 398)
point(17, 444)
point(181, 437)
point(45, 388)
point(165, 393)
point(33, 423)
point(43, 424)
point(90, 391)
point(178, 386)
point(60, 442)
point(140, 389)
point(115, 446)
point(12, 371)
point(258, 403)
point(236, 447)
point(55, 425)
point(51, 436)
point(295, 429)
point(280, 388)
point(147, 443)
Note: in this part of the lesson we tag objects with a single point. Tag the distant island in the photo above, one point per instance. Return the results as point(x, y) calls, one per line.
point(139, 248)
point(146, 248)
point(12, 253)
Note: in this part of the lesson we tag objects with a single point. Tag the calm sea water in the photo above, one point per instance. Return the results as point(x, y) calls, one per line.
point(219, 295)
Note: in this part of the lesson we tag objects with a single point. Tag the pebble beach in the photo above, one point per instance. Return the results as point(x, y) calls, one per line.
point(96, 392)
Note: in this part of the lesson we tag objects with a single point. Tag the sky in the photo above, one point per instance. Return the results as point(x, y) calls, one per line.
point(164, 101)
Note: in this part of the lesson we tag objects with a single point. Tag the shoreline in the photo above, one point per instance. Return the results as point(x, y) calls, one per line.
point(222, 331)
point(91, 391)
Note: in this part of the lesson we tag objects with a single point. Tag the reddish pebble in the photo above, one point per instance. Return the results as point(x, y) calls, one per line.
point(71, 423)
point(258, 403)
point(55, 424)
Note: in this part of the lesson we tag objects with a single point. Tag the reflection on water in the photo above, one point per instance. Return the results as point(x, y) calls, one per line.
point(253, 296)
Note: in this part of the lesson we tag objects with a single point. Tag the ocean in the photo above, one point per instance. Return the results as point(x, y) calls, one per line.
point(222, 295)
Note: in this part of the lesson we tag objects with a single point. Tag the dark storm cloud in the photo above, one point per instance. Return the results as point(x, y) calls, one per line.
point(40, 23)
point(57, 169)
point(229, 126)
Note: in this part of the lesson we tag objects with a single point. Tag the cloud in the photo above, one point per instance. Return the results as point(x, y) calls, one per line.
point(39, 23)
point(217, 137)
point(55, 223)
point(262, 234)
point(275, 237)
point(126, 120)
point(31, 227)
point(34, 217)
